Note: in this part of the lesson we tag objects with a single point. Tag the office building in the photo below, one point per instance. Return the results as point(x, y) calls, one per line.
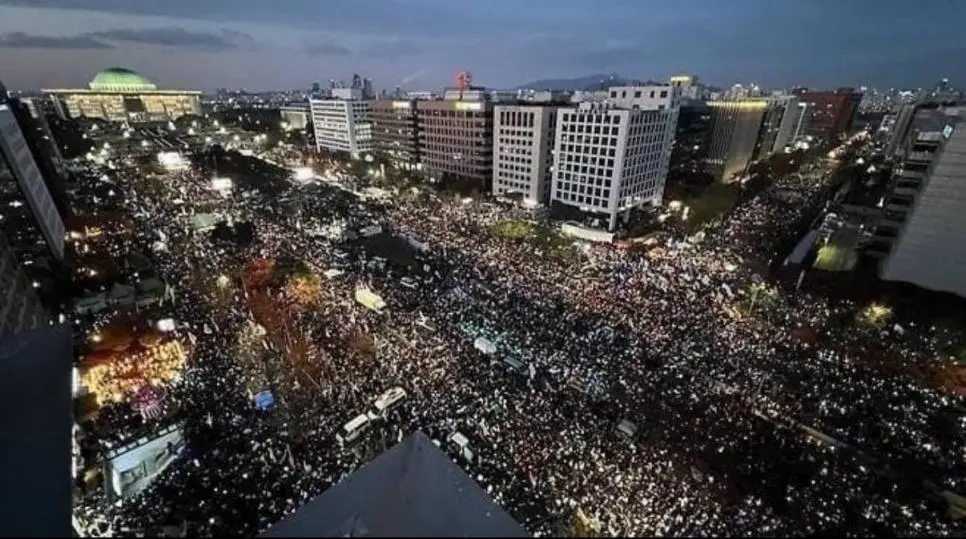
point(778, 127)
point(523, 138)
point(30, 218)
point(692, 136)
point(44, 149)
point(342, 123)
point(792, 123)
point(829, 112)
point(456, 137)
point(395, 132)
point(735, 126)
point(20, 307)
point(927, 203)
point(121, 95)
point(367, 90)
point(610, 159)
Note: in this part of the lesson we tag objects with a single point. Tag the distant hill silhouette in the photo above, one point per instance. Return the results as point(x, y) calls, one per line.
point(589, 82)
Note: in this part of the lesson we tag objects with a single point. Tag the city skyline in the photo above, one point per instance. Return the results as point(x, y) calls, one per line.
point(422, 43)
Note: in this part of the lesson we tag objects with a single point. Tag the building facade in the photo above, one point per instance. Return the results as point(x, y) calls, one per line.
point(20, 308)
point(735, 127)
point(791, 123)
point(395, 131)
point(688, 85)
point(456, 140)
point(692, 136)
point(342, 125)
point(121, 95)
point(28, 205)
point(609, 159)
point(523, 143)
point(830, 112)
point(927, 205)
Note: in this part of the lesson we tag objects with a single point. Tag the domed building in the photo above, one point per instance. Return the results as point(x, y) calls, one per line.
point(121, 95)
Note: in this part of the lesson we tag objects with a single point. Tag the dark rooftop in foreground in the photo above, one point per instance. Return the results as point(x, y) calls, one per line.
point(411, 490)
point(36, 421)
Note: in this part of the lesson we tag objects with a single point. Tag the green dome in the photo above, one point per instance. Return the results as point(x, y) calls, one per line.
point(118, 79)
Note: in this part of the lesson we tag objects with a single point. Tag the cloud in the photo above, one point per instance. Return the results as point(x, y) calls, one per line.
point(393, 48)
point(20, 40)
point(176, 37)
point(327, 48)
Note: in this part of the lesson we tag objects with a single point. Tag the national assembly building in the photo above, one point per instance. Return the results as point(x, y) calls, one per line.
point(121, 95)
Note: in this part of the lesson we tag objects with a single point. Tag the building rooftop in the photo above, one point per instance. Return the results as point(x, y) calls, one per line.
point(118, 79)
point(411, 490)
point(35, 449)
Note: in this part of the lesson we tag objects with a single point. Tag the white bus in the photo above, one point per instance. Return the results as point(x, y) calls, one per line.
point(389, 400)
point(355, 428)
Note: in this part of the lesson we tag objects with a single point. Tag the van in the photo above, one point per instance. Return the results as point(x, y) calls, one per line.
point(389, 399)
point(355, 428)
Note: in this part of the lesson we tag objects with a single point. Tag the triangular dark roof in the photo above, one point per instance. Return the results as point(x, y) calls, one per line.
point(36, 420)
point(411, 490)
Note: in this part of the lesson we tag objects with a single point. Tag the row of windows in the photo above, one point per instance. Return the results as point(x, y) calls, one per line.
point(517, 118)
point(591, 150)
point(595, 129)
point(584, 117)
point(637, 94)
point(582, 199)
point(588, 160)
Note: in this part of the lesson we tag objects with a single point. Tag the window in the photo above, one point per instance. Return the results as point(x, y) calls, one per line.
point(637, 94)
point(612, 94)
point(663, 93)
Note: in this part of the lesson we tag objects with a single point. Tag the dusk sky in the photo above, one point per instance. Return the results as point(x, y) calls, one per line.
point(421, 44)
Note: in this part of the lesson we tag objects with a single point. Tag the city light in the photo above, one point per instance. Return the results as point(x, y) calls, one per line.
point(304, 174)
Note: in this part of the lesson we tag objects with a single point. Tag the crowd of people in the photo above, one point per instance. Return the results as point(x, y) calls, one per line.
point(744, 421)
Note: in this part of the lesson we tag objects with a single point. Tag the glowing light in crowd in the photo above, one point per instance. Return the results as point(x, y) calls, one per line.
point(304, 173)
point(221, 184)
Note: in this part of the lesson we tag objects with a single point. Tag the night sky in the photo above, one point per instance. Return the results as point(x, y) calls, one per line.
point(420, 44)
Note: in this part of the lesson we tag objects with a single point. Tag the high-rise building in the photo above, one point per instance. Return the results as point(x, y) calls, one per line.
point(395, 131)
point(20, 307)
point(121, 95)
point(30, 218)
point(613, 156)
point(356, 82)
point(40, 140)
point(316, 88)
point(692, 136)
point(829, 112)
point(456, 137)
point(367, 92)
point(790, 128)
point(900, 128)
point(735, 126)
point(342, 122)
point(926, 205)
point(523, 142)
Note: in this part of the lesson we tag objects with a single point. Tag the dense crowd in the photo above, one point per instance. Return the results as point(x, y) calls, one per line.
point(744, 423)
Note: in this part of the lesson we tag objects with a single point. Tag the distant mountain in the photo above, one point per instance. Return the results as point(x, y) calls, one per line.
point(590, 82)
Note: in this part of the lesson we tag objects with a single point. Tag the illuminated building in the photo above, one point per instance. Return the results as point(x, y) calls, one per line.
point(342, 122)
point(30, 218)
point(456, 135)
point(523, 138)
point(690, 86)
point(395, 131)
point(121, 95)
point(735, 126)
point(295, 116)
point(613, 156)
